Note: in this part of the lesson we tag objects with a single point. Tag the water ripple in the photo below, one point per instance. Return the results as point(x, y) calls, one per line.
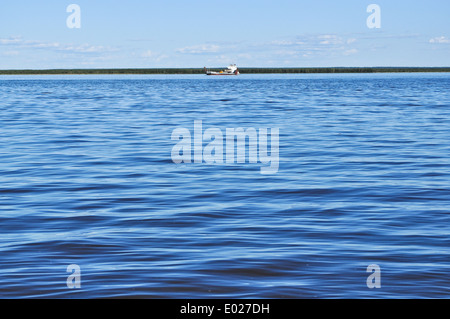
point(86, 178)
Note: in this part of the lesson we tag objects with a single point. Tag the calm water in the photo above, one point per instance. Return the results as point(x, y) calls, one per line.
point(86, 178)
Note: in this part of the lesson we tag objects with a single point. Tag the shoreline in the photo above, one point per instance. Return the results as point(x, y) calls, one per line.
point(242, 70)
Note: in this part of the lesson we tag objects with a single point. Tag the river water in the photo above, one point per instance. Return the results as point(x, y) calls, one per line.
point(87, 178)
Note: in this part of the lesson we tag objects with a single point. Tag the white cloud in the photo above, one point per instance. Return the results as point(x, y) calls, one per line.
point(286, 52)
point(286, 42)
point(10, 40)
point(329, 39)
point(84, 48)
point(42, 45)
point(440, 40)
point(315, 42)
point(152, 56)
point(313, 45)
point(147, 54)
point(11, 53)
point(20, 43)
point(283, 42)
point(199, 49)
point(350, 52)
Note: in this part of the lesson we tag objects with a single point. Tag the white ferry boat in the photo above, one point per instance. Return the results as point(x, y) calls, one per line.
point(230, 70)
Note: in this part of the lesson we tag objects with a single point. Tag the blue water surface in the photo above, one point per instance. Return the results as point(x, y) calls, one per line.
point(87, 178)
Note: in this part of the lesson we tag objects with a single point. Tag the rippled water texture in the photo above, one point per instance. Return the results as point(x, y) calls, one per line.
point(86, 178)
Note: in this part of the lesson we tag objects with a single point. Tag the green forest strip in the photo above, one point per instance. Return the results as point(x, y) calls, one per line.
point(242, 70)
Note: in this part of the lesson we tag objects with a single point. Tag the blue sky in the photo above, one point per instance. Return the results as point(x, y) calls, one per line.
point(197, 33)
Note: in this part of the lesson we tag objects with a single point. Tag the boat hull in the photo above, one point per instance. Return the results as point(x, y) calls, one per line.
point(220, 74)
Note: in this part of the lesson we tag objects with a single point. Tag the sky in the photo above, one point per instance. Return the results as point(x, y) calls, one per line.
point(196, 33)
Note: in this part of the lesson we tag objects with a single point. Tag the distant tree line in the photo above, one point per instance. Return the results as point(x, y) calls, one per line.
point(344, 70)
point(242, 70)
